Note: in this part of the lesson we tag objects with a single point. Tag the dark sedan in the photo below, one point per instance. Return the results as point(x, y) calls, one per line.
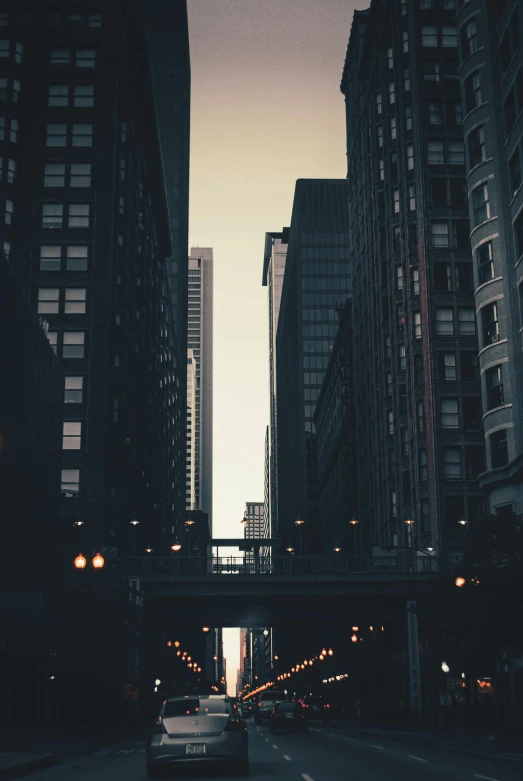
point(288, 716)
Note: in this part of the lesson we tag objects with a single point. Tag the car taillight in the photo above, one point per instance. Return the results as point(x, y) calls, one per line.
point(234, 725)
point(326, 706)
point(159, 727)
point(259, 705)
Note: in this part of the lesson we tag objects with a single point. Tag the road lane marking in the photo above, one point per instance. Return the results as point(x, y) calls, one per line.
point(488, 778)
point(420, 759)
point(375, 746)
point(286, 757)
point(266, 740)
point(306, 777)
point(274, 746)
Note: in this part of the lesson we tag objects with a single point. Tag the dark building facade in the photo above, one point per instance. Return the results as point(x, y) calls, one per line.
point(419, 433)
point(491, 76)
point(334, 421)
point(317, 280)
point(87, 230)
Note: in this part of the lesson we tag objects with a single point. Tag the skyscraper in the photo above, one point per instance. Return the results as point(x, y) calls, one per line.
point(200, 341)
point(273, 271)
point(88, 234)
point(491, 76)
point(190, 447)
point(419, 437)
point(168, 38)
point(317, 280)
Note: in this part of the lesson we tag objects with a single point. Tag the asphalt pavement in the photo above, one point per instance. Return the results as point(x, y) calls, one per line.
point(323, 755)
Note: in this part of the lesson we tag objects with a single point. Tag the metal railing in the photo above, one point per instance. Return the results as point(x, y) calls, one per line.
point(200, 566)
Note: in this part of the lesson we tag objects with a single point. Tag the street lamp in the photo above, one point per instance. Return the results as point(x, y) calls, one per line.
point(409, 523)
point(354, 521)
point(98, 561)
point(337, 549)
point(80, 561)
point(134, 523)
point(289, 548)
point(149, 549)
point(462, 521)
point(176, 546)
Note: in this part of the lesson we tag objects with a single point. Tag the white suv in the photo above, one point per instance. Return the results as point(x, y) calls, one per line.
point(266, 703)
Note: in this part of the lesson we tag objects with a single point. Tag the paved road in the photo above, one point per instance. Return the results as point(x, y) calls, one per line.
point(322, 755)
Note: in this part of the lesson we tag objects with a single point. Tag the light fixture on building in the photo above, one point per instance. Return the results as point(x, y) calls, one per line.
point(462, 521)
point(299, 520)
point(244, 520)
point(189, 522)
point(289, 548)
point(134, 521)
point(354, 521)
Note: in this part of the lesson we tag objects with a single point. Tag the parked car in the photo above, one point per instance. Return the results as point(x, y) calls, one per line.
point(289, 716)
point(266, 703)
point(195, 730)
point(247, 709)
point(317, 709)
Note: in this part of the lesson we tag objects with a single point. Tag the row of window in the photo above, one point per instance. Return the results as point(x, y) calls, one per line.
point(76, 135)
point(70, 300)
point(79, 58)
point(9, 129)
point(10, 85)
point(76, 95)
point(93, 20)
point(471, 415)
point(12, 49)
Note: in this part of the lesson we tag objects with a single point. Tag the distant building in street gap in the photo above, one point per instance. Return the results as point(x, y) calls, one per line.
point(491, 77)
point(88, 230)
point(200, 341)
point(335, 428)
point(417, 390)
point(316, 282)
point(190, 448)
point(274, 258)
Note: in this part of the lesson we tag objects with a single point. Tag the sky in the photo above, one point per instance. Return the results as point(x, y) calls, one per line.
point(266, 111)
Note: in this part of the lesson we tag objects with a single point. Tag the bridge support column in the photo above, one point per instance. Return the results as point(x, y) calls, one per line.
point(413, 659)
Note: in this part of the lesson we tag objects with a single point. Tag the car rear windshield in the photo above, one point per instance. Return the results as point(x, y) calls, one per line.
point(314, 701)
point(185, 707)
point(273, 697)
point(214, 706)
point(289, 707)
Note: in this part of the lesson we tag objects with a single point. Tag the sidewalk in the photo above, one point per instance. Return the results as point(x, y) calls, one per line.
point(459, 743)
point(18, 765)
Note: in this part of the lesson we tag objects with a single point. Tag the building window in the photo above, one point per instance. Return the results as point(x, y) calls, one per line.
point(440, 234)
point(455, 112)
point(477, 151)
point(412, 197)
point(423, 471)
point(480, 204)
point(50, 258)
point(447, 367)
point(3, 87)
point(405, 41)
point(80, 175)
point(60, 58)
point(494, 383)
point(58, 96)
point(400, 320)
point(52, 338)
point(442, 277)
point(72, 439)
point(83, 96)
point(52, 215)
point(408, 117)
point(499, 448)
point(518, 233)
point(392, 94)
point(510, 111)
point(56, 135)
point(70, 482)
point(9, 211)
point(419, 377)
point(452, 463)
point(75, 301)
point(74, 344)
point(392, 124)
point(461, 233)
point(378, 103)
point(438, 192)
point(471, 414)
point(464, 277)
point(434, 112)
point(449, 413)
point(399, 278)
point(456, 153)
point(390, 417)
point(509, 44)
point(79, 214)
point(444, 322)
point(122, 167)
point(11, 171)
point(82, 135)
point(466, 322)
point(417, 325)
point(74, 389)
point(77, 257)
point(390, 57)
point(420, 416)
point(13, 131)
point(48, 298)
point(429, 36)
point(472, 92)
point(469, 366)
point(449, 37)
point(85, 58)
point(514, 168)
point(458, 192)
point(489, 320)
point(396, 201)
point(405, 442)
point(406, 80)
point(94, 20)
point(54, 175)
point(410, 157)
point(469, 40)
point(435, 155)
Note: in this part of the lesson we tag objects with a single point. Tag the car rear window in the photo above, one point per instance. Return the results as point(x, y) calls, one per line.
point(288, 707)
point(273, 697)
point(181, 707)
point(214, 706)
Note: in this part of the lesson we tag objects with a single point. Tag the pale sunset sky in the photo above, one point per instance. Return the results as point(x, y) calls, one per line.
point(266, 110)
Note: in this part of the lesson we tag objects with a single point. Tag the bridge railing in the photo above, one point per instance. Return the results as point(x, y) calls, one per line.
point(200, 566)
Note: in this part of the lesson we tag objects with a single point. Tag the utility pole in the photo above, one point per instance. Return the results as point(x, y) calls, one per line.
point(413, 659)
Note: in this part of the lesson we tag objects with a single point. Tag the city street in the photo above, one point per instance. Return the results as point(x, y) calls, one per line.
point(325, 754)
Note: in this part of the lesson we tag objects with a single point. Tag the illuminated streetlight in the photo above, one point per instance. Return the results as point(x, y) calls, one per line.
point(265, 632)
point(337, 549)
point(409, 522)
point(299, 520)
point(149, 549)
point(354, 638)
point(462, 522)
point(289, 548)
point(98, 561)
point(78, 522)
point(189, 522)
point(445, 667)
point(355, 628)
point(176, 546)
point(134, 521)
point(354, 521)
point(460, 582)
point(205, 628)
point(330, 652)
point(176, 643)
point(80, 561)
